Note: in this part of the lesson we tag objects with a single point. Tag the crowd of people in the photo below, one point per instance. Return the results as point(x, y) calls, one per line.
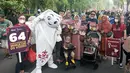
point(109, 24)
point(74, 29)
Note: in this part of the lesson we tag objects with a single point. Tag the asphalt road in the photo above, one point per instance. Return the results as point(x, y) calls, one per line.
point(8, 66)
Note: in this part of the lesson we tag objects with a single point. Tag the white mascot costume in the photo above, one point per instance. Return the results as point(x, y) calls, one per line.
point(46, 27)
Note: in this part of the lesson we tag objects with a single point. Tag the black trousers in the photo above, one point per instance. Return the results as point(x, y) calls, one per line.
point(59, 50)
point(20, 66)
point(126, 53)
point(121, 53)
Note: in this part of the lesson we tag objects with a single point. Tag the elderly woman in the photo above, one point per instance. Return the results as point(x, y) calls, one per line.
point(67, 22)
point(105, 29)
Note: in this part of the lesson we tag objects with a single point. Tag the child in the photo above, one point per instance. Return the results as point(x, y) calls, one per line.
point(68, 51)
point(88, 41)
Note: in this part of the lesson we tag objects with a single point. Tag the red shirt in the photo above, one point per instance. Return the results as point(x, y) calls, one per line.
point(118, 32)
point(27, 28)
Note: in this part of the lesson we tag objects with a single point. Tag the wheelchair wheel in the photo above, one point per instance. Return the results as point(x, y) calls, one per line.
point(82, 63)
point(95, 66)
point(74, 66)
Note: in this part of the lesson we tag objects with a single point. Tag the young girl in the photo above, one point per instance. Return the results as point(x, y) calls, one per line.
point(20, 67)
point(68, 49)
point(119, 31)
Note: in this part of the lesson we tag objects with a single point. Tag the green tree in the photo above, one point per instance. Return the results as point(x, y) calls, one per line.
point(57, 5)
point(9, 6)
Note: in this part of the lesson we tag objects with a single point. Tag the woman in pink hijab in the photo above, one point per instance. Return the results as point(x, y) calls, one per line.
point(66, 23)
point(76, 37)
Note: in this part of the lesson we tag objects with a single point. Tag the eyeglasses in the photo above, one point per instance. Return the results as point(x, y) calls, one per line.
point(22, 18)
point(92, 14)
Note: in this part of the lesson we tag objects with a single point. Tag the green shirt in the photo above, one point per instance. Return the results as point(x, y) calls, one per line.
point(3, 27)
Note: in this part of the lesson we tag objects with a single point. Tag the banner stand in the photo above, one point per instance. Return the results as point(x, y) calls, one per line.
point(17, 35)
point(112, 60)
point(19, 54)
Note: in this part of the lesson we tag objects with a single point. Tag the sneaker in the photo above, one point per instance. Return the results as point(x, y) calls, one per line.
point(121, 65)
point(116, 62)
point(6, 56)
point(53, 66)
point(10, 56)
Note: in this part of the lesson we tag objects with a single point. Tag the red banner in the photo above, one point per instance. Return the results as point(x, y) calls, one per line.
point(113, 47)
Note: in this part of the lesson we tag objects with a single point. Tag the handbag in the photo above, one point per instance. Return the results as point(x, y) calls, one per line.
point(31, 55)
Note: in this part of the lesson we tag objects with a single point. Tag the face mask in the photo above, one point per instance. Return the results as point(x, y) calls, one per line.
point(116, 20)
point(92, 17)
point(21, 21)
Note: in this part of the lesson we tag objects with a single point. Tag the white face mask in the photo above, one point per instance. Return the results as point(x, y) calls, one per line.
point(21, 21)
point(116, 20)
point(92, 17)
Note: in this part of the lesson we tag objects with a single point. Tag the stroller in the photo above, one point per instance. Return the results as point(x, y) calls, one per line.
point(91, 45)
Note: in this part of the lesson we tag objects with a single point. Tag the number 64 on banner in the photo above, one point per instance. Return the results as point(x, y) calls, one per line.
point(17, 39)
point(13, 37)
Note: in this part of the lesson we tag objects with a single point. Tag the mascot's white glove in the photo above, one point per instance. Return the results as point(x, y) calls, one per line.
point(59, 31)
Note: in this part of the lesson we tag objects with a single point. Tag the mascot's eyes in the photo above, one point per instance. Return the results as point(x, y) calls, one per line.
point(57, 19)
point(49, 18)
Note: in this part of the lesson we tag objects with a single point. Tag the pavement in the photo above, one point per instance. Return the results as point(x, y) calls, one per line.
point(8, 66)
point(104, 67)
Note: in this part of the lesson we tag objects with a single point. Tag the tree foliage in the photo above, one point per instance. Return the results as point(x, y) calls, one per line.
point(57, 5)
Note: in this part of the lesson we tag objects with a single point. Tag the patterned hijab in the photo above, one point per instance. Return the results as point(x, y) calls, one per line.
point(105, 24)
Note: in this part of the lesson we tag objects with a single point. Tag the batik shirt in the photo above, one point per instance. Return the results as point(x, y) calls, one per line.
point(3, 26)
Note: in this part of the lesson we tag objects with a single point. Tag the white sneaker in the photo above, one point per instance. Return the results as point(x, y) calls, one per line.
point(121, 65)
point(53, 66)
point(38, 71)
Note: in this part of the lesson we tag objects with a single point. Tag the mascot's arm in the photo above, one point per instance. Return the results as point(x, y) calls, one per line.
point(59, 31)
point(37, 20)
point(34, 24)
